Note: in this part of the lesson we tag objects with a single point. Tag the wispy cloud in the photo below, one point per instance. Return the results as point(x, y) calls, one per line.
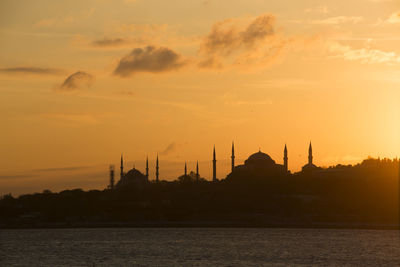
point(13, 177)
point(72, 118)
point(63, 169)
point(380, 1)
point(122, 36)
point(251, 44)
point(338, 20)
point(365, 55)
point(225, 37)
point(169, 149)
point(109, 42)
point(394, 18)
point(76, 81)
point(32, 70)
point(318, 9)
point(65, 20)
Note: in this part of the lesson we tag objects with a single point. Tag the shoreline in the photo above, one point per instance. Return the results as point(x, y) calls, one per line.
point(183, 224)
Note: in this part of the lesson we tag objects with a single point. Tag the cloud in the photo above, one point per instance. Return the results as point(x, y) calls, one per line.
point(109, 42)
point(66, 20)
point(365, 55)
point(225, 37)
point(62, 169)
point(250, 45)
point(13, 177)
point(76, 81)
point(149, 59)
point(318, 9)
point(123, 36)
point(210, 62)
point(258, 30)
point(140, 35)
point(169, 149)
point(31, 70)
point(45, 23)
point(71, 119)
point(338, 20)
point(394, 18)
point(76, 119)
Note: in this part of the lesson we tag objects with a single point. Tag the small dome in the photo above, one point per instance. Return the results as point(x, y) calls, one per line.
point(259, 158)
point(309, 167)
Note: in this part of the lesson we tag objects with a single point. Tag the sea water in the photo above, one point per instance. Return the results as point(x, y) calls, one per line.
point(199, 247)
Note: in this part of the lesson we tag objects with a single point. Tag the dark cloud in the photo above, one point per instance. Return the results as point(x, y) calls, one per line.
point(169, 149)
point(109, 42)
point(77, 80)
point(258, 30)
point(210, 62)
point(149, 59)
point(31, 70)
point(227, 38)
point(221, 38)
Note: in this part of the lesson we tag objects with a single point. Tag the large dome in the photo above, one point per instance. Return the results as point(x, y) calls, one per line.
point(134, 174)
point(259, 158)
point(132, 177)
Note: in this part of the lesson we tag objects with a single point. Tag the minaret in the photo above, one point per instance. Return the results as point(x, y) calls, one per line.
point(185, 169)
point(197, 171)
point(233, 157)
point(285, 159)
point(122, 167)
point(147, 169)
point(157, 168)
point(111, 186)
point(310, 157)
point(214, 166)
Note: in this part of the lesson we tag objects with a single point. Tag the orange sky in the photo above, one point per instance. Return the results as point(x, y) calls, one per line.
point(83, 81)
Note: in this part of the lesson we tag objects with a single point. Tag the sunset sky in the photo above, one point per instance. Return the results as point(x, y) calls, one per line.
point(83, 81)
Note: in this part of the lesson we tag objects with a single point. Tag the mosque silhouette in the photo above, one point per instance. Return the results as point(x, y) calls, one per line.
point(258, 164)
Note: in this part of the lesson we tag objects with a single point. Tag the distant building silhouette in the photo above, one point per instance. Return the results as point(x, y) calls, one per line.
point(185, 168)
point(309, 167)
point(122, 168)
point(147, 169)
point(285, 159)
point(214, 166)
point(258, 164)
point(233, 157)
point(132, 179)
point(111, 186)
point(197, 171)
point(157, 170)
